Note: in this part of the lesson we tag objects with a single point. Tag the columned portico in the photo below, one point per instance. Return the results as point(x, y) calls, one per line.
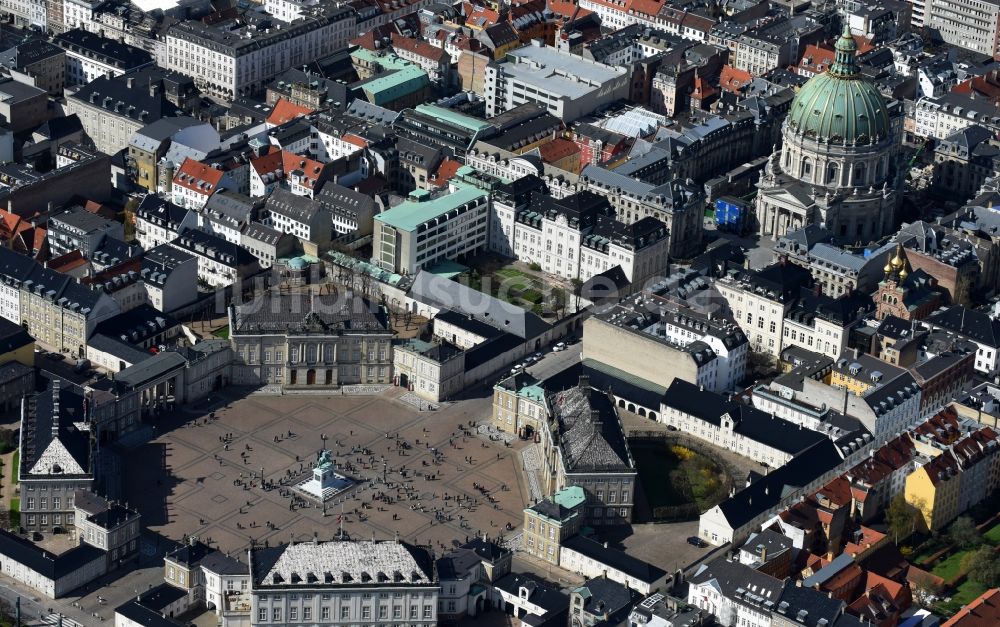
point(836, 164)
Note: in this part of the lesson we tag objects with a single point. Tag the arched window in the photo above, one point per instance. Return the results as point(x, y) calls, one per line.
point(832, 173)
point(806, 170)
point(860, 173)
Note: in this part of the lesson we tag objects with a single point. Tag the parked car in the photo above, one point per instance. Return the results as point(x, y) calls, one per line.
point(82, 365)
point(696, 541)
point(561, 346)
point(55, 356)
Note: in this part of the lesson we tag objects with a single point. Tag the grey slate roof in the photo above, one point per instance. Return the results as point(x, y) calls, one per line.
point(209, 245)
point(768, 491)
point(292, 206)
point(734, 581)
point(221, 564)
point(43, 421)
point(807, 606)
point(540, 592)
point(750, 422)
point(43, 562)
point(443, 293)
point(607, 597)
point(294, 313)
point(590, 432)
point(974, 325)
point(613, 558)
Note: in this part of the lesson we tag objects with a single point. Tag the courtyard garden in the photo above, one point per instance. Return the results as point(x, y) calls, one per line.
point(965, 558)
point(679, 481)
point(517, 283)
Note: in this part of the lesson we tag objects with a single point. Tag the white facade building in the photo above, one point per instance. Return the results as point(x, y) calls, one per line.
point(567, 85)
point(343, 583)
point(413, 235)
point(579, 236)
point(230, 63)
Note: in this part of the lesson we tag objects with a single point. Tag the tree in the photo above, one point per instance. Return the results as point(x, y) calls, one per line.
point(983, 567)
point(901, 518)
point(558, 302)
point(128, 217)
point(577, 288)
point(8, 441)
point(963, 533)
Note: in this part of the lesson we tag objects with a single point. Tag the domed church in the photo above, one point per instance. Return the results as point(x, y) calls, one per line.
point(837, 165)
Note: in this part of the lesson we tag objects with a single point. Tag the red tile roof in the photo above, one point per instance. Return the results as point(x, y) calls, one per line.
point(815, 60)
point(733, 80)
point(11, 224)
point(702, 88)
point(446, 169)
point(41, 236)
point(286, 111)
point(983, 612)
point(310, 168)
point(417, 47)
point(478, 16)
point(567, 8)
point(356, 140)
point(557, 149)
point(198, 177)
point(71, 260)
point(284, 162)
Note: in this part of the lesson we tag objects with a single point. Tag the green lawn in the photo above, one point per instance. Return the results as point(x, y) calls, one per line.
point(963, 595)
point(15, 513)
point(14, 466)
point(517, 287)
point(668, 479)
point(993, 535)
point(655, 465)
point(949, 566)
point(222, 332)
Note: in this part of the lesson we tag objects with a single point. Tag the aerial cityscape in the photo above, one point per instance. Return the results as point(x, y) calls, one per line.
point(491, 313)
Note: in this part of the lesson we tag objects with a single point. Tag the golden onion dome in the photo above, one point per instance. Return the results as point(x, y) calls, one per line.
point(903, 274)
point(888, 267)
point(897, 261)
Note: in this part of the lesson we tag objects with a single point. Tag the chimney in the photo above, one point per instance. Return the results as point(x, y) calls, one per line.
point(55, 408)
point(595, 419)
point(584, 382)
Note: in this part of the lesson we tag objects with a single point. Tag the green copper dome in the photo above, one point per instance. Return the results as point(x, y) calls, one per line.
point(840, 106)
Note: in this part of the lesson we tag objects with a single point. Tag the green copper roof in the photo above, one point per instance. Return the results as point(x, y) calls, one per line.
point(840, 106)
point(570, 497)
point(467, 122)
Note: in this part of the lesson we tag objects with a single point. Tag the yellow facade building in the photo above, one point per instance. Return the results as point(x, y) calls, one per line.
point(958, 477)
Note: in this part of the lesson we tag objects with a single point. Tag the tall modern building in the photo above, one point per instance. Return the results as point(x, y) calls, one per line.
point(837, 164)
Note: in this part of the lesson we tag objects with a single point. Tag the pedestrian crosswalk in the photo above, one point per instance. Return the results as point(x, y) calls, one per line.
point(53, 619)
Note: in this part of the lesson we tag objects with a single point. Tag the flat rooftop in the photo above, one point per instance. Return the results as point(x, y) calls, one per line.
point(558, 72)
point(409, 215)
